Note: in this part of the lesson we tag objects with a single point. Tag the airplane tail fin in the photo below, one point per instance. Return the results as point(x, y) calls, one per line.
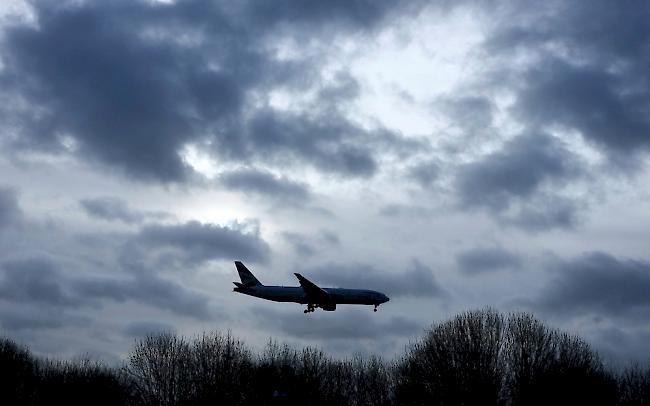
point(247, 278)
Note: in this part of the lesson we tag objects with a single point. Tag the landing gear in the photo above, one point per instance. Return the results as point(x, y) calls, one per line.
point(375, 309)
point(310, 308)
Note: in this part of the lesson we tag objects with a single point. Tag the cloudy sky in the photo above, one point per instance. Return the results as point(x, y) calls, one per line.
point(453, 155)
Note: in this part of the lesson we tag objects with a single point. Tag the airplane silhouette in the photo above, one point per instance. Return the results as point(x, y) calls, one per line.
point(307, 293)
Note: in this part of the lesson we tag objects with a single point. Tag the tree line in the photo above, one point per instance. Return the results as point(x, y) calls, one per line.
point(479, 357)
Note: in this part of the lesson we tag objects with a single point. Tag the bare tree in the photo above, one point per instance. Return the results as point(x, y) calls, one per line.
point(546, 366)
point(458, 362)
point(477, 358)
point(312, 365)
point(339, 385)
point(372, 382)
point(634, 386)
point(220, 369)
point(530, 353)
point(276, 379)
point(80, 382)
point(17, 373)
point(159, 366)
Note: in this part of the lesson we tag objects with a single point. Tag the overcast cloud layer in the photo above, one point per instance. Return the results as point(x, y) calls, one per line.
point(449, 154)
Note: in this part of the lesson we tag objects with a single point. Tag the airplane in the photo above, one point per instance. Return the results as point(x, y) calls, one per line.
point(307, 293)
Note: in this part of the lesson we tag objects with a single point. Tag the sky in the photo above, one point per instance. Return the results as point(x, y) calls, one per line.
point(453, 155)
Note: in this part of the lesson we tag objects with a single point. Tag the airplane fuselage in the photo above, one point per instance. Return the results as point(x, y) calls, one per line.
point(296, 294)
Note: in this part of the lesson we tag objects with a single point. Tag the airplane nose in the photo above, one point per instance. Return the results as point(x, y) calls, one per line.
point(386, 299)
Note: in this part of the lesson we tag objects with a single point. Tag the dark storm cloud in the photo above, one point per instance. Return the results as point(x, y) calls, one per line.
point(593, 29)
point(351, 325)
point(330, 237)
point(519, 183)
point(146, 288)
point(112, 209)
point(346, 15)
point(424, 173)
point(40, 281)
point(306, 245)
point(517, 171)
point(344, 88)
point(545, 212)
point(197, 242)
point(96, 79)
point(405, 210)
point(326, 142)
point(473, 114)
point(590, 73)
point(266, 184)
point(35, 280)
point(139, 329)
point(591, 100)
point(417, 280)
point(132, 83)
point(300, 243)
point(627, 345)
point(486, 260)
point(10, 212)
point(598, 283)
point(21, 316)
point(31, 320)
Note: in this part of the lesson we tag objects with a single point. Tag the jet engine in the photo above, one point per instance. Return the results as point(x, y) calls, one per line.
point(328, 307)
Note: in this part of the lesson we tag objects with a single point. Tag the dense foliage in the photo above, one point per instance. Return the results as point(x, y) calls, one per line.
point(477, 358)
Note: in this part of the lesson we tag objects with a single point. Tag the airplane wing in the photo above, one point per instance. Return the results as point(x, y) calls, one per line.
point(312, 290)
